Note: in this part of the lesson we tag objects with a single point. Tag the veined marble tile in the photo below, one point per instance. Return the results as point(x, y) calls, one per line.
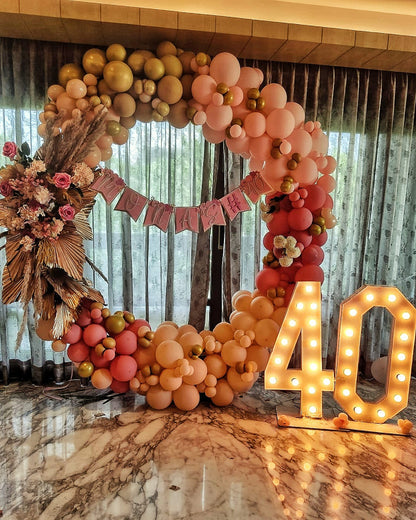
point(116, 458)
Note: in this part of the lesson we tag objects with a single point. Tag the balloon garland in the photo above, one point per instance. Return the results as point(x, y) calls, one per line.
point(175, 363)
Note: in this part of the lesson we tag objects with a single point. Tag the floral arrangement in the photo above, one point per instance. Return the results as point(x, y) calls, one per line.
point(45, 205)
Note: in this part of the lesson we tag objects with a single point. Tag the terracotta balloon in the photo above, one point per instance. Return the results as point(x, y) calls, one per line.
point(78, 352)
point(188, 340)
point(123, 368)
point(242, 303)
point(145, 356)
point(177, 116)
point(169, 381)
point(143, 112)
point(158, 398)
point(316, 197)
point(266, 279)
point(225, 68)
point(44, 329)
point(94, 334)
point(99, 361)
point(279, 225)
point(126, 342)
point(300, 219)
point(309, 273)
point(236, 383)
point(101, 378)
point(186, 397)
point(125, 105)
point(312, 254)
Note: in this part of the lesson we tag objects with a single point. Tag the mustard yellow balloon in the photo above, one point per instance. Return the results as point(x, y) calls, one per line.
point(173, 66)
point(94, 61)
point(170, 89)
point(164, 48)
point(69, 71)
point(116, 51)
point(118, 76)
point(136, 62)
point(154, 68)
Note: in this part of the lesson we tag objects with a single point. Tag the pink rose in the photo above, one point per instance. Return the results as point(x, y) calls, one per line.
point(67, 212)
point(62, 180)
point(5, 189)
point(10, 150)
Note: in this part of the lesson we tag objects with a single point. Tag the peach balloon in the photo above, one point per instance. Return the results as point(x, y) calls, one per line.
point(199, 374)
point(168, 380)
point(237, 294)
point(105, 141)
point(242, 303)
point(236, 383)
point(243, 321)
point(238, 95)
point(158, 398)
point(216, 365)
point(223, 332)
point(260, 355)
point(168, 352)
point(65, 103)
point(224, 395)
point(327, 182)
point(101, 378)
point(301, 142)
point(188, 340)
point(239, 145)
point(232, 353)
point(94, 157)
point(225, 68)
point(260, 147)
point(306, 172)
point(145, 356)
point(266, 332)
point(184, 329)
point(249, 78)
point(54, 91)
point(164, 332)
point(261, 307)
point(186, 397)
point(330, 165)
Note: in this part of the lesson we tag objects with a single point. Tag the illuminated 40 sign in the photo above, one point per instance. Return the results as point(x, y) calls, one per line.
point(304, 315)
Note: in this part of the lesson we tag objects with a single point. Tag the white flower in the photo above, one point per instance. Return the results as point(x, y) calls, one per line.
point(279, 241)
point(285, 261)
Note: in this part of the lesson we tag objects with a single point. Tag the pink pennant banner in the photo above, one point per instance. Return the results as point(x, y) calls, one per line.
point(109, 184)
point(132, 203)
point(158, 214)
point(186, 219)
point(211, 213)
point(234, 203)
point(254, 186)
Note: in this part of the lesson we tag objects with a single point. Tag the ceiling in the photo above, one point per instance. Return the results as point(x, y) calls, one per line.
point(370, 33)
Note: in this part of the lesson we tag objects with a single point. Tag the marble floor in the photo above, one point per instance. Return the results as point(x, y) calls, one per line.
point(81, 458)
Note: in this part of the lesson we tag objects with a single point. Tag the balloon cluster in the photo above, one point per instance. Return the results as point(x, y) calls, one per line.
point(173, 363)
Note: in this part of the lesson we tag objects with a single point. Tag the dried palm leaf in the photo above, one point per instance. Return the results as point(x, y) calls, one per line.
point(11, 288)
point(93, 266)
point(82, 226)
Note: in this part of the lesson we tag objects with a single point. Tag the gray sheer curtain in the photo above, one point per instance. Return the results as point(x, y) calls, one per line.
point(369, 117)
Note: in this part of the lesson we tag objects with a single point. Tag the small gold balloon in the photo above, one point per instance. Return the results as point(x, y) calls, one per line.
point(109, 342)
point(319, 220)
point(297, 157)
point(237, 121)
point(138, 86)
point(85, 369)
point(292, 164)
point(149, 87)
point(156, 116)
point(288, 178)
point(116, 51)
point(201, 59)
point(105, 313)
point(190, 112)
point(260, 103)
point(149, 335)
point(275, 153)
point(251, 104)
point(146, 371)
point(94, 61)
point(240, 367)
point(143, 342)
point(228, 132)
point(156, 369)
point(129, 317)
point(99, 349)
point(163, 109)
point(95, 101)
point(228, 98)
point(69, 71)
point(315, 230)
point(276, 143)
point(222, 88)
point(253, 93)
point(113, 128)
point(96, 305)
point(106, 100)
point(173, 66)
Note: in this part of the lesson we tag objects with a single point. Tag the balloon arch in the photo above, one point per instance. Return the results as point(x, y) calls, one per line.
point(47, 200)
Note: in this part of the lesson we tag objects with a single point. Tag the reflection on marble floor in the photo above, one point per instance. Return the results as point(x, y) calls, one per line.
point(118, 459)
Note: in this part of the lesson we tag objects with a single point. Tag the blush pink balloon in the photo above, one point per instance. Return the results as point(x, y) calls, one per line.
point(105, 141)
point(94, 157)
point(249, 78)
point(212, 136)
point(285, 147)
point(301, 142)
point(200, 118)
point(235, 131)
point(255, 165)
point(203, 87)
point(218, 118)
point(320, 141)
point(238, 95)
point(194, 103)
point(280, 123)
point(321, 163)
point(260, 147)
point(306, 173)
point(239, 145)
point(65, 103)
point(217, 99)
point(297, 111)
point(330, 166)
point(76, 88)
point(255, 124)
point(276, 168)
point(54, 91)
point(225, 68)
point(327, 182)
point(241, 111)
point(309, 126)
point(275, 97)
